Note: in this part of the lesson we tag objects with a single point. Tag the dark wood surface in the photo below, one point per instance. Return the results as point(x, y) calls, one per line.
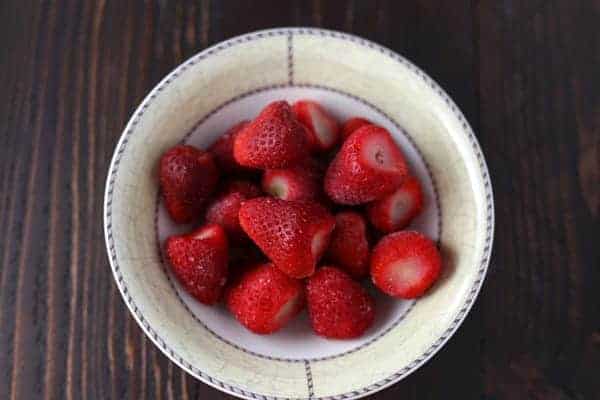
point(525, 73)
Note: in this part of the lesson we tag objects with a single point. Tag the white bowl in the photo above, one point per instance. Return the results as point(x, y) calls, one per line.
point(351, 76)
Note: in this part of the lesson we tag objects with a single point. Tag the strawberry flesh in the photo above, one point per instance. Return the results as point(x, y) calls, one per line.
point(302, 182)
point(395, 211)
point(323, 131)
point(405, 264)
point(368, 166)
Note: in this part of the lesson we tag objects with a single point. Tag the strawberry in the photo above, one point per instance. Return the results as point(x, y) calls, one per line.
point(265, 299)
point(348, 246)
point(187, 176)
point(302, 182)
point(199, 261)
point(323, 131)
point(395, 211)
point(293, 234)
point(338, 307)
point(368, 166)
point(353, 124)
point(275, 139)
point(224, 209)
point(222, 149)
point(405, 264)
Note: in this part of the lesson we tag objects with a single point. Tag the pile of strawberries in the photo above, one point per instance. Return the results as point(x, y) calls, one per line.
point(304, 235)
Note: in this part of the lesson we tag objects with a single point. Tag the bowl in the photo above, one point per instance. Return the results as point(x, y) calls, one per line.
point(351, 76)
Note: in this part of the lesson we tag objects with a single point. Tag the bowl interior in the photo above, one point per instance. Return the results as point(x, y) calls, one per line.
point(204, 96)
point(297, 341)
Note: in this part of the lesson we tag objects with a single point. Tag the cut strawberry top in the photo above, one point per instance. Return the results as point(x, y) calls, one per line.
point(289, 309)
point(323, 127)
point(405, 264)
point(278, 187)
point(323, 131)
point(368, 166)
point(301, 182)
point(378, 153)
point(208, 232)
point(397, 210)
point(401, 204)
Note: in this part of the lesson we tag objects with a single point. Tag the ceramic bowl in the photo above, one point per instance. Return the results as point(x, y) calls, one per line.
point(351, 76)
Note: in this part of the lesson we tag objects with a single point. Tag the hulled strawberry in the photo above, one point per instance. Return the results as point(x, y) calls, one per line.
point(302, 182)
point(275, 139)
point(264, 299)
point(293, 234)
point(405, 264)
point(188, 176)
point(338, 307)
point(368, 166)
point(199, 261)
point(322, 129)
point(348, 247)
point(222, 149)
point(395, 211)
point(224, 209)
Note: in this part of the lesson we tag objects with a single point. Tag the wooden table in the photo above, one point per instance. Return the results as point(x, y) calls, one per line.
point(525, 73)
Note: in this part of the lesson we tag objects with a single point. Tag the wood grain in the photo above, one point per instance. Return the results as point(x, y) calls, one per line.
point(524, 73)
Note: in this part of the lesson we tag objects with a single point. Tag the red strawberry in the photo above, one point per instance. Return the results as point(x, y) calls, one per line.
point(265, 299)
point(222, 149)
point(368, 166)
point(353, 124)
point(405, 264)
point(338, 307)
point(224, 209)
point(188, 176)
point(275, 139)
point(323, 131)
point(199, 261)
point(293, 234)
point(302, 182)
point(349, 247)
point(396, 210)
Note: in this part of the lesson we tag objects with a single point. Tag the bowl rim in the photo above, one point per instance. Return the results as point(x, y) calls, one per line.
point(289, 32)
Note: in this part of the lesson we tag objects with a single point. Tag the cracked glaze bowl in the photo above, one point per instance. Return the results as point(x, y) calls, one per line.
point(232, 81)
